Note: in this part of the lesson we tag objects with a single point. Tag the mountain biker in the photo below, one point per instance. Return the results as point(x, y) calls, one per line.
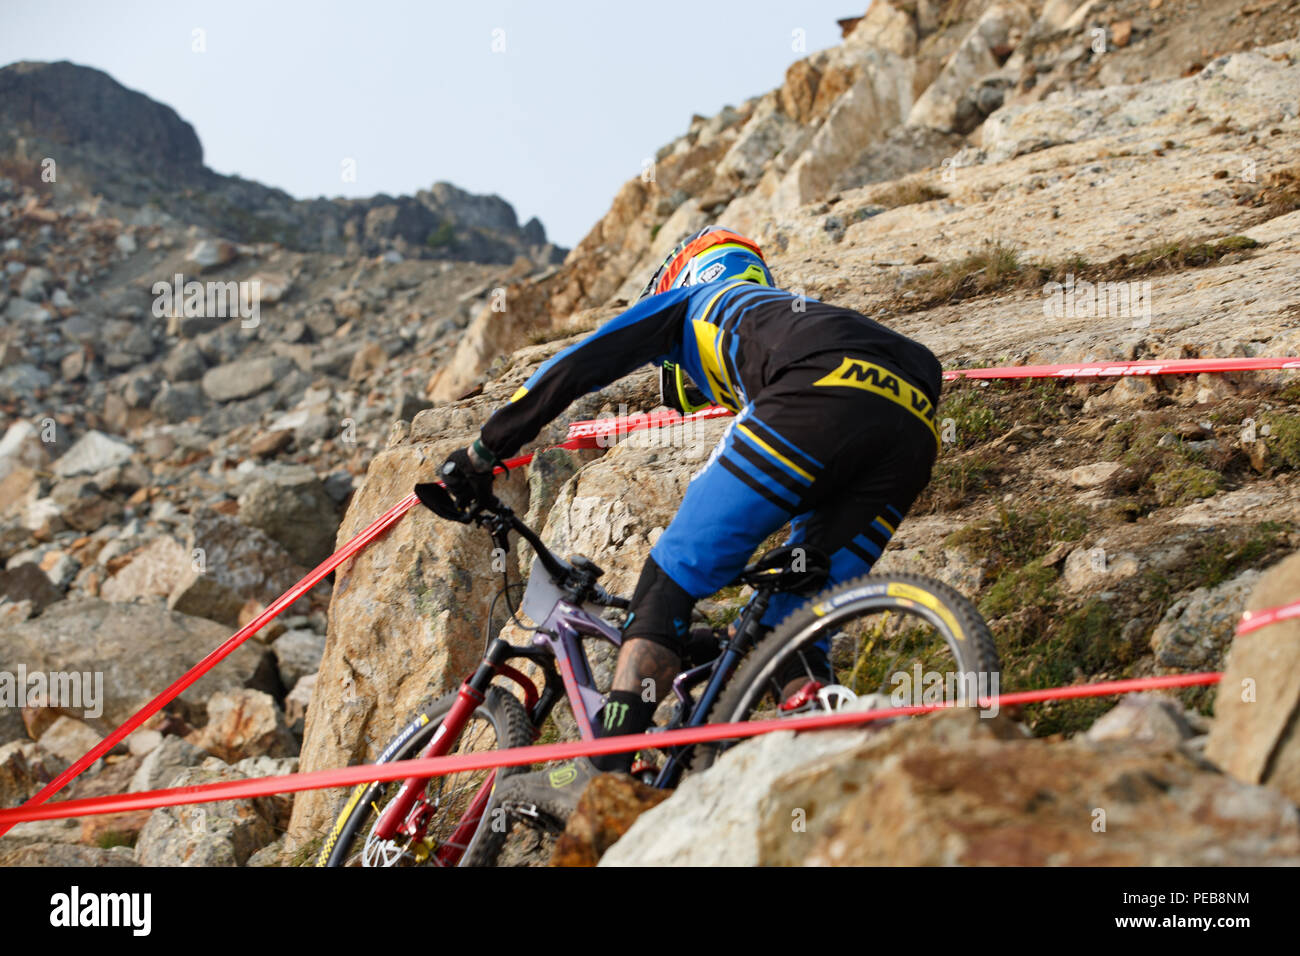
point(834, 434)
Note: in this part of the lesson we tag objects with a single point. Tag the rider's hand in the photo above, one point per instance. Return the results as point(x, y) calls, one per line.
point(467, 473)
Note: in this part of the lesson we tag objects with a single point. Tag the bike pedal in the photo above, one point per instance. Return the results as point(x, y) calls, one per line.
point(524, 810)
point(805, 698)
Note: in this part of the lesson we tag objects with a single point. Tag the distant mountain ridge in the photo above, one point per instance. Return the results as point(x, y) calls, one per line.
point(138, 152)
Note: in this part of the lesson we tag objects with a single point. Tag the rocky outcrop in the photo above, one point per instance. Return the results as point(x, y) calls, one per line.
point(136, 151)
point(954, 789)
point(1254, 736)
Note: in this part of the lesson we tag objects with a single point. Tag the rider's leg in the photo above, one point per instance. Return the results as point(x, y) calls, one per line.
point(878, 455)
point(744, 493)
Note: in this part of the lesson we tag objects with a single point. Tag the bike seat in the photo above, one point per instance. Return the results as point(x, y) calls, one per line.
point(791, 567)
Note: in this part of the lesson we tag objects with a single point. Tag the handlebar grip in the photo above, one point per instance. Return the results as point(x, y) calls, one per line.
point(611, 600)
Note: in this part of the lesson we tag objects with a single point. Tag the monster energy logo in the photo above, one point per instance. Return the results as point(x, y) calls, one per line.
point(613, 715)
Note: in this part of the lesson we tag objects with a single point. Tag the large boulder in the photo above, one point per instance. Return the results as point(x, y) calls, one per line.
point(139, 650)
point(223, 833)
point(909, 799)
point(956, 789)
point(291, 505)
point(229, 564)
point(405, 621)
point(1254, 736)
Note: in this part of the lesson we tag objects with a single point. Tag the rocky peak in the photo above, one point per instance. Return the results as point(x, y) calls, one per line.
point(136, 153)
point(87, 110)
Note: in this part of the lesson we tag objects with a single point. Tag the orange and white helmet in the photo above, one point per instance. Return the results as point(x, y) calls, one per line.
point(713, 254)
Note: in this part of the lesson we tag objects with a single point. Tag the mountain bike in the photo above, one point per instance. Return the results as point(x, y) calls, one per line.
point(842, 644)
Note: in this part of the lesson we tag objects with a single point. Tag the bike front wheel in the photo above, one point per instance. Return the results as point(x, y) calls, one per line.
point(903, 638)
point(452, 805)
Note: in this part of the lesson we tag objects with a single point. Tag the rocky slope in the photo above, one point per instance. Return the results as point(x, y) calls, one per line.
point(938, 169)
point(869, 181)
point(172, 463)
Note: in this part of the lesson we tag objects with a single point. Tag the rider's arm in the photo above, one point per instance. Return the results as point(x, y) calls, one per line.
point(647, 332)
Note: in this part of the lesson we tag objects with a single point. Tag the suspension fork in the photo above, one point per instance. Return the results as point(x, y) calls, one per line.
point(471, 693)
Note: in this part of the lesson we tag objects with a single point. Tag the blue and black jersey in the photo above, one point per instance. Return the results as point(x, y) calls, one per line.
point(734, 338)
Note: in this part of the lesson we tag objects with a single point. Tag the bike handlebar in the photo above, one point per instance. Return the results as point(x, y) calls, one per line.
point(561, 572)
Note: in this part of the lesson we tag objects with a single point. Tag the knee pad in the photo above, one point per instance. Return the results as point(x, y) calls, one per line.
point(660, 610)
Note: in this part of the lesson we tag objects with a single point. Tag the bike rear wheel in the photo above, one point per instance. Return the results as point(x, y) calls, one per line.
point(498, 723)
point(885, 632)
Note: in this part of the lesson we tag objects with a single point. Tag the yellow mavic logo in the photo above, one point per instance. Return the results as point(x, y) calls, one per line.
point(859, 373)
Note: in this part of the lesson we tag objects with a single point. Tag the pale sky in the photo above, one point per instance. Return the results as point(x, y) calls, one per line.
point(572, 101)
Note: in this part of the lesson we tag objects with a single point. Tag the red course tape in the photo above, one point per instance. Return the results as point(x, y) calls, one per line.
point(1254, 620)
point(484, 760)
point(592, 434)
point(1109, 369)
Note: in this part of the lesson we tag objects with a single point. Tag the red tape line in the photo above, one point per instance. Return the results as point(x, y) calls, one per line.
point(592, 434)
point(1254, 620)
point(516, 756)
point(1107, 369)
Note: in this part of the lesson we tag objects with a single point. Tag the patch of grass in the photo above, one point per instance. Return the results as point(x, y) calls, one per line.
point(1030, 585)
point(1180, 485)
point(1173, 257)
point(111, 838)
point(1057, 647)
point(958, 478)
point(908, 192)
point(973, 420)
point(1290, 394)
point(1283, 437)
point(998, 266)
point(1223, 556)
point(1013, 538)
point(995, 265)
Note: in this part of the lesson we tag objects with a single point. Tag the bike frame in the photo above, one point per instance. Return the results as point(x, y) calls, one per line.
point(557, 650)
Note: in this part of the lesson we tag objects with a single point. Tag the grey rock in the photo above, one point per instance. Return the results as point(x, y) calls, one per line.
point(130, 644)
point(224, 833)
point(185, 363)
point(291, 505)
point(162, 764)
point(34, 284)
point(245, 378)
point(298, 654)
point(177, 403)
point(1143, 718)
point(93, 452)
point(21, 310)
point(1197, 629)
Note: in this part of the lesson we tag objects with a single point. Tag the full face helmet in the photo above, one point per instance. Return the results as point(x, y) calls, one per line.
point(713, 254)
